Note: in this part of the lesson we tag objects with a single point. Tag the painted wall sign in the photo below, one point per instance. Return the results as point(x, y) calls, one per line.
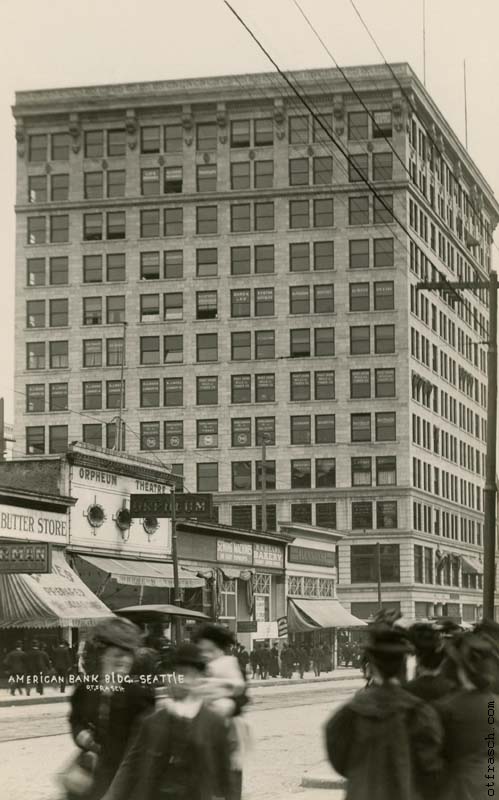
point(27, 523)
point(308, 555)
point(268, 555)
point(25, 557)
point(235, 552)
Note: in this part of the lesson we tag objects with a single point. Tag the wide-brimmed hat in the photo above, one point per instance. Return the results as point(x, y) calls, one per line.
point(425, 636)
point(386, 642)
point(477, 657)
point(118, 632)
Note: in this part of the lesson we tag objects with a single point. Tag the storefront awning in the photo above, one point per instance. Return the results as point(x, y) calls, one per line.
point(470, 566)
point(56, 599)
point(142, 573)
point(311, 615)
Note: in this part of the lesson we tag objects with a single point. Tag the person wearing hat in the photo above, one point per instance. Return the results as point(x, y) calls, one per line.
point(386, 741)
point(429, 684)
point(105, 711)
point(181, 751)
point(469, 717)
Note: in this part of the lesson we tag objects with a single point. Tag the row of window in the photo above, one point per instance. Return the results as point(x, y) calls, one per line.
point(244, 218)
point(243, 260)
point(443, 523)
point(243, 134)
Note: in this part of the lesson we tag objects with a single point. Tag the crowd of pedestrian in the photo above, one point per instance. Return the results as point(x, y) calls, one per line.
point(300, 658)
point(28, 668)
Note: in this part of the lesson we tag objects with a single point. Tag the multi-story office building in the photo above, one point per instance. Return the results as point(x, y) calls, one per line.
point(268, 292)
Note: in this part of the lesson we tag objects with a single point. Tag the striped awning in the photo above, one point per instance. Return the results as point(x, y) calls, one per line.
point(143, 573)
point(56, 599)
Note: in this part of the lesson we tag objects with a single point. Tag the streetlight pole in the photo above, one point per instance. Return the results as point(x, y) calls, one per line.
point(490, 491)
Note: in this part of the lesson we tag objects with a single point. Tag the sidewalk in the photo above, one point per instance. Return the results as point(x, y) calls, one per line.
point(53, 695)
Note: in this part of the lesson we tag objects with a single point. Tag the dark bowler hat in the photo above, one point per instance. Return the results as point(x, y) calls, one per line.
point(384, 641)
point(188, 655)
point(424, 636)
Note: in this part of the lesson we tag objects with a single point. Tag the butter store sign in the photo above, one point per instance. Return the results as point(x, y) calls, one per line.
point(27, 523)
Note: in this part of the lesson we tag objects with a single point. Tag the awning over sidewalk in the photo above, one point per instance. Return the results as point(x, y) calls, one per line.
point(311, 615)
point(56, 599)
point(142, 573)
point(470, 566)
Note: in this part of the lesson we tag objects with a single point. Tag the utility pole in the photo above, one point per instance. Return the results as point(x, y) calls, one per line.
point(490, 491)
point(176, 583)
point(118, 440)
point(378, 566)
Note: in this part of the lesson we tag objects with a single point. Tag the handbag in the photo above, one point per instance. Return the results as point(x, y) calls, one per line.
point(78, 777)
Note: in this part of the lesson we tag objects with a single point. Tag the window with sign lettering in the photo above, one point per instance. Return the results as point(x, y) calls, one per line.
point(262, 592)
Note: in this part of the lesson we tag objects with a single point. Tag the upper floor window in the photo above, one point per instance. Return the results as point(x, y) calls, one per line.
point(206, 136)
point(37, 147)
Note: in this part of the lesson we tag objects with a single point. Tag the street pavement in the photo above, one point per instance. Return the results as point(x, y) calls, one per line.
point(286, 720)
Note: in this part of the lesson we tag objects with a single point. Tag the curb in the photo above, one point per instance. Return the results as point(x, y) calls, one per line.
point(253, 684)
point(323, 781)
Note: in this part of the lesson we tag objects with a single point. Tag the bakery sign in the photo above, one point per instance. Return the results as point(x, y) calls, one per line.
point(268, 555)
point(27, 523)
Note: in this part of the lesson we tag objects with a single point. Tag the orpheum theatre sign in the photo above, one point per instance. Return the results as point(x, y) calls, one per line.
point(27, 523)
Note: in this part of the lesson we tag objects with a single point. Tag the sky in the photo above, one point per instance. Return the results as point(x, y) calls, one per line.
point(62, 43)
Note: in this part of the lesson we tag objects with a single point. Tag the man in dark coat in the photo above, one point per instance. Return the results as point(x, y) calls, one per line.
point(274, 662)
point(38, 664)
point(181, 751)
point(264, 662)
point(254, 661)
point(287, 661)
point(16, 664)
point(62, 660)
point(303, 660)
point(386, 742)
point(317, 660)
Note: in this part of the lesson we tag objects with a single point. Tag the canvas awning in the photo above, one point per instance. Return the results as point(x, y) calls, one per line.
point(52, 600)
point(142, 573)
point(311, 615)
point(470, 566)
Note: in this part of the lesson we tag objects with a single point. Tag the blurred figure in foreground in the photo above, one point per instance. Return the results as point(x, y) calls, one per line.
point(181, 752)
point(429, 683)
point(385, 741)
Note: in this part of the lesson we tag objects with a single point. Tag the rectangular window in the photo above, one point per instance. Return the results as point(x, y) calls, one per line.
point(358, 168)
point(264, 302)
point(324, 299)
point(116, 143)
point(58, 397)
point(270, 476)
point(384, 338)
point(206, 390)
point(264, 259)
point(114, 391)
point(206, 219)
point(386, 471)
point(206, 347)
point(173, 264)
point(240, 389)
point(358, 125)
point(299, 299)
point(92, 227)
point(358, 210)
point(58, 439)
point(299, 172)
point(265, 431)
point(325, 515)
point(60, 146)
point(58, 271)
point(174, 435)
point(150, 139)
point(364, 559)
point(92, 352)
point(323, 255)
point(111, 435)
point(323, 213)
point(149, 436)
point(116, 267)
point(207, 262)
point(116, 222)
point(263, 132)
point(265, 388)
point(149, 349)
point(360, 383)
point(386, 514)
point(92, 434)
point(264, 216)
point(37, 188)
point(206, 305)
point(386, 426)
point(94, 144)
point(383, 209)
point(323, 170)
point(359, 296)
point(35, 440)
point(301, 473)
point(325, 429)
point(324, 383)
point(149, 223)
point(115, 309)
point(59, 355)
point(173, 306)
point(35, 314)
point(322, 127)
point(299, 214)
point(206, 433)
point(206, 178)
point(37, 230)
point(383, 253)
point(301, 429)
point(418, 564)
point(384, 296)
point(173, 349)
point(150, 183)
point(173, 392)
point(360, 340)
point(324, 341)
point(300, 343)
point(299, 257)
point(382, 124)
point(241, 432)
point(264, 344)
point(35, 355)
point(92, 269)
point(300, 386)
point(382, 166)
point(92, 395)
point(361, 471)
point(263, 175)
point(298, 132)
point(241, 476)
point(59, 228)
point(240, 133)
point(240, 346)
point(173, 138)
point(240, 303)
point(240, 260)
point(240, 175)
point(173, 180)
point(114, 352)
point(59, 188)
point(116, 182)
point(362, 517)
point(301, 512)
point(59, 313)
point(206, 136)
point(92, 310)
point(37, 148)
point(35, 397)
point(360, 427)
point(359, 253)
point(325, 473)
point(36, 272)
point(174, 221)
